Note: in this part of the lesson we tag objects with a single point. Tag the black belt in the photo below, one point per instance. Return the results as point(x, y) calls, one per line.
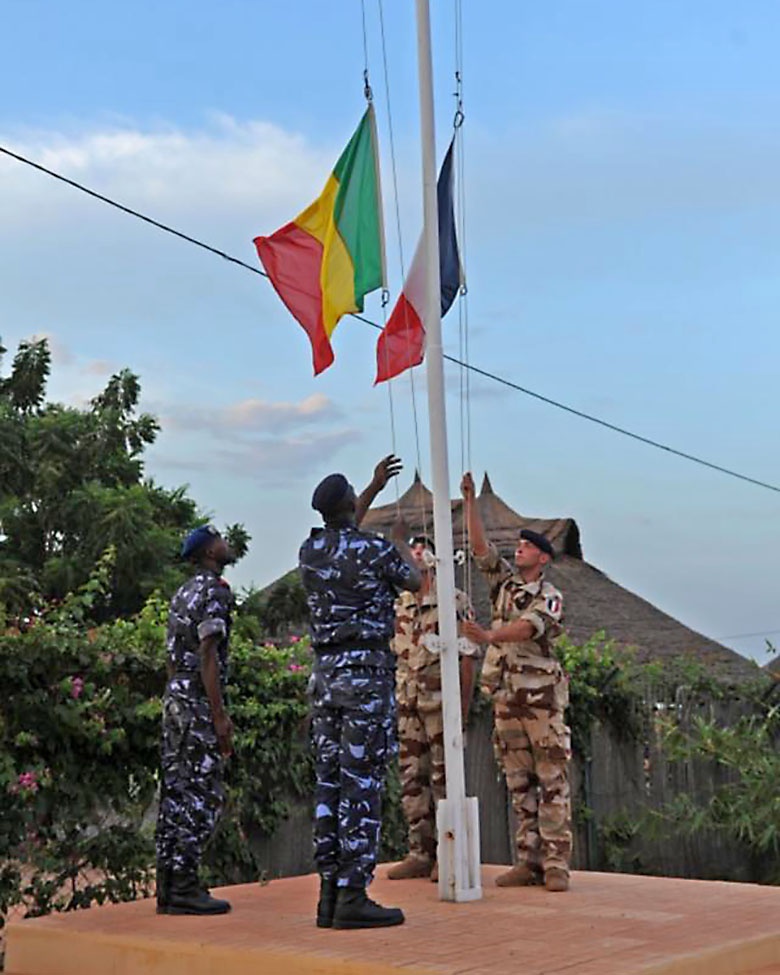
point(347, 645)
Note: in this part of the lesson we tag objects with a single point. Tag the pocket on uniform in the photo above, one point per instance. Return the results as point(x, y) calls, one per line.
point(556, 740)
point(562, 693)
point(366, 744)
point(492, 670)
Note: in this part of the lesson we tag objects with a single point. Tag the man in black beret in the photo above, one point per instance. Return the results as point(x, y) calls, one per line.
point(352, 578)
point(197, 732)
point(530, 692)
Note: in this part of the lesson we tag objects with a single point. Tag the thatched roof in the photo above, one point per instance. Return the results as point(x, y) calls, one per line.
point(501, 522)
point(593, 601)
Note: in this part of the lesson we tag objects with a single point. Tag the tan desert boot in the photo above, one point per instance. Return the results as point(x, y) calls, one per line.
point(409, 868)
point(521, 875)
point(556, 880)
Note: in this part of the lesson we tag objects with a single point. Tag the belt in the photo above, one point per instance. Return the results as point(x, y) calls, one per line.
point(356, 644)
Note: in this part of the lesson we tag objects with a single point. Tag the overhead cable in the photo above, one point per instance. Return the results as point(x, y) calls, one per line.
point(458, 362)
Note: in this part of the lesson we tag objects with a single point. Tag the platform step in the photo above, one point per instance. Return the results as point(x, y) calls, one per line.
point(607, 924)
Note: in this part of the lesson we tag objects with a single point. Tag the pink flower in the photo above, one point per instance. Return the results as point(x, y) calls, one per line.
point(76, 687)
point(29, 781)
point(294, 639)
point(295, 668)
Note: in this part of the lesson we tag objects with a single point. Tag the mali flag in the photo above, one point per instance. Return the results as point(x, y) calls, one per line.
point(332, 255)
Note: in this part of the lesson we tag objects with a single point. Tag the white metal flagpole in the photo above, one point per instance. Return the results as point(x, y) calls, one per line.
point(457, 816)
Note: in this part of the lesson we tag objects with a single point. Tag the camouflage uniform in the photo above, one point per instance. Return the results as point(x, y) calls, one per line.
point(420, 719)
point(530, 692)
point(192, 794)
point(351, 580)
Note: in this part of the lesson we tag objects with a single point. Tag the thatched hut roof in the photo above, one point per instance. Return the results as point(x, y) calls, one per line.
point(593, 601)
point(502, 524)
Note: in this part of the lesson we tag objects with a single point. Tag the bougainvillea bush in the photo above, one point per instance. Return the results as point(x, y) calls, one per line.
point(79, 754)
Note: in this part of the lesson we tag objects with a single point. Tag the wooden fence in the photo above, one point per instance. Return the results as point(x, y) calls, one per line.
point(621, 781)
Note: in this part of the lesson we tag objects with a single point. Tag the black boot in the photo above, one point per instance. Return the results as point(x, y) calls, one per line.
point(355, 910)
point(327, 902)
point(163, 889)
point(186, 896)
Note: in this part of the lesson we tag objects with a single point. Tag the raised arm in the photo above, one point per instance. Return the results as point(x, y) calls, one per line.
point(479, 543)
point(386, 469)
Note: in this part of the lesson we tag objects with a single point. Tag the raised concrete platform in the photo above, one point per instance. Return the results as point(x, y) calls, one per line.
point(608, 924)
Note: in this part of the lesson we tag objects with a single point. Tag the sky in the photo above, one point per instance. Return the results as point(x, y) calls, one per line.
point(622, 248)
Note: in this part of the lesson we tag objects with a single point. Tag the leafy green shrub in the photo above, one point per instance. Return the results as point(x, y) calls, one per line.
point(604, 686)
point(746, 807)
point(79, 754)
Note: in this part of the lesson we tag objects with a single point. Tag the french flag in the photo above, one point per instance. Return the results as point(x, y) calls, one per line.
point(401, 343)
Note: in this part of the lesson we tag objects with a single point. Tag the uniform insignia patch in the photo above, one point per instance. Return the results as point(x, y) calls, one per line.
point(553, 605)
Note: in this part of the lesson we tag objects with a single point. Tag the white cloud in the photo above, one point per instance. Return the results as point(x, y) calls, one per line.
point(221, 168)
point(252, 416)
point(99, 367)
point(276, 461)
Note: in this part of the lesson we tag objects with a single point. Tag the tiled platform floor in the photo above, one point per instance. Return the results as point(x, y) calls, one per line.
point(607, 924)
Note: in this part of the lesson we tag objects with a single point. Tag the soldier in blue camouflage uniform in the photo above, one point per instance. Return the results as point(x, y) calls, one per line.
point(197, 732)
point(351, 580)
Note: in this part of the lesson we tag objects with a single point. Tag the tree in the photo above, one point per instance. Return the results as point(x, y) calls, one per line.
point(72, 485)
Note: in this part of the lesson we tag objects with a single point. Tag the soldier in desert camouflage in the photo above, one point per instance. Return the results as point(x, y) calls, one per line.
point(530, 693)
point(420, 719)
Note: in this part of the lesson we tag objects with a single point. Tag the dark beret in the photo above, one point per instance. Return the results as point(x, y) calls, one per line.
point(538, 540)
point(329, 493)
point(196, 539)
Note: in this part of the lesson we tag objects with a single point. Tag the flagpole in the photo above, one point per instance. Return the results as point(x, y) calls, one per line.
point(457, 816)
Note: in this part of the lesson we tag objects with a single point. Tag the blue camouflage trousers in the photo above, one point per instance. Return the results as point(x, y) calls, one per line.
point(353, 732)
point(192, 795)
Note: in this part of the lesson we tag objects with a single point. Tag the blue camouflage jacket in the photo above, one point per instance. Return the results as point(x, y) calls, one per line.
point(201, 607)
point(351, 579)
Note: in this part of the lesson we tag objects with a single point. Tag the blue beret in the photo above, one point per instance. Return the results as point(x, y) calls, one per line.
point(538, 540)
point(329, 493)
point(196, 539)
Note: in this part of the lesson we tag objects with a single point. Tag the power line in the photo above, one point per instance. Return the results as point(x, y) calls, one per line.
point(458, 362)
point(744, 636)
point(133, 213)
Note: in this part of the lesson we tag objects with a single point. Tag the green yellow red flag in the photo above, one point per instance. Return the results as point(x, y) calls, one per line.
point(331, 255)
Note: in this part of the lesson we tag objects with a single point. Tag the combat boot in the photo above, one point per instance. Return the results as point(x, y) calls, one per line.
point(354, 909)
point(186, 896)
point(162, 889)
point(556, 880)
point(521, 875)
point(410, 867)
point(327, 902)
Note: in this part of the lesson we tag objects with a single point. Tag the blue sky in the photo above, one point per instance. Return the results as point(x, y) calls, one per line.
point(622, 240)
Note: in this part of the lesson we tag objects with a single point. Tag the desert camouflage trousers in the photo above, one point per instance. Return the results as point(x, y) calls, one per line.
point(533, 746)
point(353, 733)
point(421, 740)
point(192, 795)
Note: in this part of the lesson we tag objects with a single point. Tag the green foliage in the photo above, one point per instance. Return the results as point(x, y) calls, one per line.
point(746, 806)
point(603, 687)
point(72, 485)
point(78, 756)
point(79, 753)
point(393, 842)
point(271, 767)
point(280, 608)
point(618, 834)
